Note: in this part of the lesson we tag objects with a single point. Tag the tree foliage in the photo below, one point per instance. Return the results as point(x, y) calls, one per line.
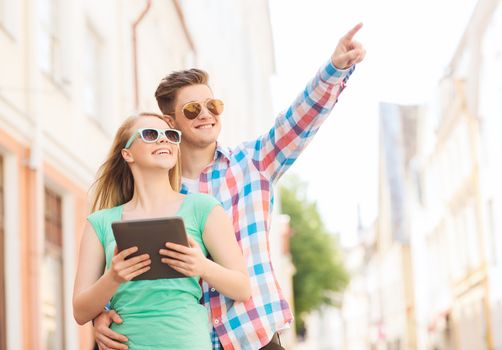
point(320, 273)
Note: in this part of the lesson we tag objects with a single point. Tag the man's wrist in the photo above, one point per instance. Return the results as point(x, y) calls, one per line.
point(106, 309)
point(331, 74)
point(343, 70)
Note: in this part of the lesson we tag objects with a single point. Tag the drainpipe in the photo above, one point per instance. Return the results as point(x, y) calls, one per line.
point(135, 52)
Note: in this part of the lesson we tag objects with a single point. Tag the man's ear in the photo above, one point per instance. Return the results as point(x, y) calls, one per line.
point(127, 155)
point(170, 120)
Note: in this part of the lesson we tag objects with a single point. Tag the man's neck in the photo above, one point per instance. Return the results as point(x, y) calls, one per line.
point(195, 159)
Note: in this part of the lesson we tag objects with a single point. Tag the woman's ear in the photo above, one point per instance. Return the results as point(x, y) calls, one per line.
point(127, 155)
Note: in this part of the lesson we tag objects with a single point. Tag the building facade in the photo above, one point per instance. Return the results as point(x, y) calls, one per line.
point(433, 278)
point(71, 72)
point(234, 44)
point(67, 81)
point(462, 196)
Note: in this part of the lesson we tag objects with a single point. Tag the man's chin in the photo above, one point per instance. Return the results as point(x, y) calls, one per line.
point(200, 143)
point(203, 141)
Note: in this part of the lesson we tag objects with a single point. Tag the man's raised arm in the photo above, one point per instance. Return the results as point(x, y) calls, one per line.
point(275, 151)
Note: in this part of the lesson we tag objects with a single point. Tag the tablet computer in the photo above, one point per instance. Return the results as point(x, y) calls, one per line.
point(151, 235)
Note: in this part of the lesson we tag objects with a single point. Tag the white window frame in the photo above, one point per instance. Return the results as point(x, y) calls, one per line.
point(12, 252)
point(50, 40)
point(9, 17)
point(3, 281)
point(93, 82)
point(71, 334)
point(60, 343)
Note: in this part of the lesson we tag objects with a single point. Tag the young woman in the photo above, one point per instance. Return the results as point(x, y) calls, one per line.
point(140, 179)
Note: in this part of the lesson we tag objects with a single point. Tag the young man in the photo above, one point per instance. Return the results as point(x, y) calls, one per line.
point(242, 179)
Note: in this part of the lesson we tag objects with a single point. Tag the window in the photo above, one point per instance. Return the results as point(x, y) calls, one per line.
point(490, 89)
point(492, 236)
point(463, 68)
point(3, 12)
point(8, 16)
point(92, 70)
point(49, 40)
point(460, 245)
point(52, 280)
point(3, 321)
point(473, 248)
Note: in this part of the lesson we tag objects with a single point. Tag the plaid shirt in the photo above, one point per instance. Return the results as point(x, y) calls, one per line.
point(242, 180)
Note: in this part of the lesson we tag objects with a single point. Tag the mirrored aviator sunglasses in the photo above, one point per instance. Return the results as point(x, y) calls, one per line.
point(193, 109)
point(151, 135)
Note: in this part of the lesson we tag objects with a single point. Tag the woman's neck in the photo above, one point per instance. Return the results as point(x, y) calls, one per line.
point(152, 192)
point(194, 159)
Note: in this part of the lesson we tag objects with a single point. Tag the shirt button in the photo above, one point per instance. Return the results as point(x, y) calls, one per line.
point(213, 290)
point(216, 321)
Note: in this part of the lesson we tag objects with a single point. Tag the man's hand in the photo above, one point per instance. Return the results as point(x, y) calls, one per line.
point(105, 337)
point(348, 51)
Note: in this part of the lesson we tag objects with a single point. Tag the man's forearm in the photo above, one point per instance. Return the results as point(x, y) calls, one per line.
point(293, 130)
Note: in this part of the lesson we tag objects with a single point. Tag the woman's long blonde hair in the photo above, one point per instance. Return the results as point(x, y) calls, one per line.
point(114, 183)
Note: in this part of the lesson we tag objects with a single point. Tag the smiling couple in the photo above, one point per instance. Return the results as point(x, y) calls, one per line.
point(172, 164)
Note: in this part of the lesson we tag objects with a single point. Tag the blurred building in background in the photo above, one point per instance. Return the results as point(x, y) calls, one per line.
point(431, 276)
point(456, 244)
point(378, 309)
point(67, 81)
point(71, 72)
point(356, 312)
point(284, 269)
point(490, 153)
point(398, 141)
point(234, 44)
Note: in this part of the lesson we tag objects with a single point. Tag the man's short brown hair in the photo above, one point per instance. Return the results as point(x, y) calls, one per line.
point(168, 88)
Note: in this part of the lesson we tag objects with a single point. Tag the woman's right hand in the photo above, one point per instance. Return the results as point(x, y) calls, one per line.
point(123, 270)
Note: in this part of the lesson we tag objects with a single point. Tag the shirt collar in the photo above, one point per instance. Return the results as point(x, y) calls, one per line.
point(221, 150)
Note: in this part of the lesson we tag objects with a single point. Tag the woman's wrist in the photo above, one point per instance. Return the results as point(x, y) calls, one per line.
point(111, 279)
point(206, 268)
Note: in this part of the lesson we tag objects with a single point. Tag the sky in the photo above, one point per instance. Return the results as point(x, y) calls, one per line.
point(409, 43)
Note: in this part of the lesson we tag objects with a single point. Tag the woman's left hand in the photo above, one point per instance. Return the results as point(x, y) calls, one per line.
point(189, 261)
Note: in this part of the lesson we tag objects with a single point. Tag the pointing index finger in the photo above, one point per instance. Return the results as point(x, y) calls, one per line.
point(353, 31)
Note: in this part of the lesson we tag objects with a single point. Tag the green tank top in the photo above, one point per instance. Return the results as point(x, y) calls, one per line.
point(163, 313)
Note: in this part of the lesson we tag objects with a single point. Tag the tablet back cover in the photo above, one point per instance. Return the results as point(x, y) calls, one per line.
point(150, 235)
